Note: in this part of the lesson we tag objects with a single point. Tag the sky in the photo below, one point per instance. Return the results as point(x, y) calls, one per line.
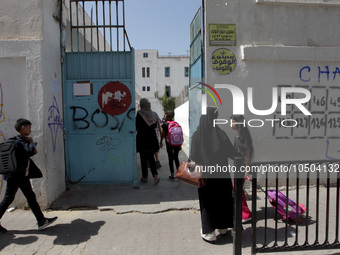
point(162, 25)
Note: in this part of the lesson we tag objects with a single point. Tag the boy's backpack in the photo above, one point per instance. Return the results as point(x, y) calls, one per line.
point(13, 157)
point(175, 134)
point(293, 212)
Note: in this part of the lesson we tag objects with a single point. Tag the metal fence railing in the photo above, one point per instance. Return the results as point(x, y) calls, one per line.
point(97, 25)
point(313, 184)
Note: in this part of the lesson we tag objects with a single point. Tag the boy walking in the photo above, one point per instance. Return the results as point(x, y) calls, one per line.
point(171, 150)
point(20, 179)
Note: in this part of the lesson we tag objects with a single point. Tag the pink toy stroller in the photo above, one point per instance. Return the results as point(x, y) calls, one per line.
point(293, 212)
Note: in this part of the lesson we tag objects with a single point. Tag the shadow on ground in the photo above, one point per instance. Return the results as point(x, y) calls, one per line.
point(76, 232)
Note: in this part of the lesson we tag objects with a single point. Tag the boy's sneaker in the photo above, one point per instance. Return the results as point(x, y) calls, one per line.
point(2, 229)
point(42, 224)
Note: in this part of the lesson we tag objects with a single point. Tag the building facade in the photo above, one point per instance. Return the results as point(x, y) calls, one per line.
point(161, 74)
point(270, 51)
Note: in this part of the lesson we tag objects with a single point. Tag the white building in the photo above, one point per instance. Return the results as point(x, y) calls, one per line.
point(161, 74)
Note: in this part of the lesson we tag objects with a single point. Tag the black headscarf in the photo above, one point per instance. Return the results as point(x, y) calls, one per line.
point(210, 145)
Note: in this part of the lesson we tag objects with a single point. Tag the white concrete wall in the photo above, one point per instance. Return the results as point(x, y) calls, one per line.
point(29, 65)
point(182, 117)
point(21, 20)
point(13, 86)
point(52, 100)
point(21, 82)
point(280, 43)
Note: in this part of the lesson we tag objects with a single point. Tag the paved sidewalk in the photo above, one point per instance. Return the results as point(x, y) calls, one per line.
point(105, 232)
point(148, 198)
point(106, 219)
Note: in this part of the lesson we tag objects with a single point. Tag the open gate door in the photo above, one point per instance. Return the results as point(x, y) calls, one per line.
point(196, 71)
point(99, 95)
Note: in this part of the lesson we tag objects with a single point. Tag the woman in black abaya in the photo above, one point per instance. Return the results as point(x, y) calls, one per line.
point(211, 146)
point(146, 140)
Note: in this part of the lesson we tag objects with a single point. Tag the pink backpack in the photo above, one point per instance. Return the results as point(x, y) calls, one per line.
point(175, 134)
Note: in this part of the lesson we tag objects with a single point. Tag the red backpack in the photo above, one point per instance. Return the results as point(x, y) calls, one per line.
point(175, 134)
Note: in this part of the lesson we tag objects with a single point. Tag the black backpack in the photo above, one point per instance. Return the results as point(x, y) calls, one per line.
point(13, 157)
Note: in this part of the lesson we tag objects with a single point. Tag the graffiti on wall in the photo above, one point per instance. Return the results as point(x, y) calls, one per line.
point(107, 143)
point(324, 107)
point(55, 122)
point(308, 74)
point(324, 121)
point(332, 149)
point(99, 118)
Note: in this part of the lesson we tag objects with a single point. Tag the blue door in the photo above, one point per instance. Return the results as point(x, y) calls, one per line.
point(196, 72)
point(99, 102)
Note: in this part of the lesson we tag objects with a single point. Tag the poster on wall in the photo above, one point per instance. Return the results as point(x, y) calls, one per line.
point(222, 34)
point(82, 88)
point(223, 61)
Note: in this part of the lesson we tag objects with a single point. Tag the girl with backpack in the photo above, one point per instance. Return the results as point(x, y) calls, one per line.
point(173, 141)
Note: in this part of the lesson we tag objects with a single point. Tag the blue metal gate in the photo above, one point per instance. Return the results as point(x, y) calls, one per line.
point(196, 72)
point(99, 95)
